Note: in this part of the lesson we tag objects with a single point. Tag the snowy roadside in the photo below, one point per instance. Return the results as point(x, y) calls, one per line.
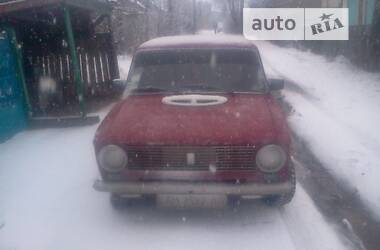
point(339, 116)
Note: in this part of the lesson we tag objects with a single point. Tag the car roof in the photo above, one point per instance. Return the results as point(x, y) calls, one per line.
point(198, 42)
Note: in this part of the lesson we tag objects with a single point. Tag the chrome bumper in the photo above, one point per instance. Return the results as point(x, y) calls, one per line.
point(141, 188)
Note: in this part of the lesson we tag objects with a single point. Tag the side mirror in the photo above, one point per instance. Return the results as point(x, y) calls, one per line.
point(119, 82)
point(276, 84)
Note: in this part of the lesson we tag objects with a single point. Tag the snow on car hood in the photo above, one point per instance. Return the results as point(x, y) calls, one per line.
point(145, 119)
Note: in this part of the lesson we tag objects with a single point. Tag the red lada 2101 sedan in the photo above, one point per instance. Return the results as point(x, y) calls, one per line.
point(199, 120)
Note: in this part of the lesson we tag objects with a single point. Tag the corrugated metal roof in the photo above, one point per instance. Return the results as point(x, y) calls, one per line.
point(10, 6)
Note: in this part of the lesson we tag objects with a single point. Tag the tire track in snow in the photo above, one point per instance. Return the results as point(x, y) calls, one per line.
point(306, 225)
point(332, 177)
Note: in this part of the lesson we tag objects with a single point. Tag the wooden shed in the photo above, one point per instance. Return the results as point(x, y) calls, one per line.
point(65, 47)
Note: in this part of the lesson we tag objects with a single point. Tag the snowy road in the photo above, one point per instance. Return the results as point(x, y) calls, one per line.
point(47, 203)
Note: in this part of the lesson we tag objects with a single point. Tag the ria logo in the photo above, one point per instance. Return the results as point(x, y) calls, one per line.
point(326, 24)
point(296, 24)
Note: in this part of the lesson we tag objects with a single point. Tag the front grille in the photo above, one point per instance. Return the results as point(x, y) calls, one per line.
point(191, 157)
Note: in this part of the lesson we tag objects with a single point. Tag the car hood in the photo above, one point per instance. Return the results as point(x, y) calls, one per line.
point(145, 120)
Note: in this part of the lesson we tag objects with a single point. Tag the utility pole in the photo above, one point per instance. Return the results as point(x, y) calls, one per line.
point(241, 15)
point(147, 13)
point(171, 17)
point(194, 16)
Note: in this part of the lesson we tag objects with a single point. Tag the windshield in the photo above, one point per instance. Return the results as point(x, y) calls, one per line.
point(199, 70)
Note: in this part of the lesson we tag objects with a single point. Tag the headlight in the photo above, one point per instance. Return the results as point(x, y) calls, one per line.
point(270, 158)
point(112, 158)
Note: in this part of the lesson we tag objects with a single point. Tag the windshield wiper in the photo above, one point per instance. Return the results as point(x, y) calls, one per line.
point(205, 87)
point(202, 87)
point(149, 89)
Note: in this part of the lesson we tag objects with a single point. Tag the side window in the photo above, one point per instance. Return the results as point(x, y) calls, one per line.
point(260, 79)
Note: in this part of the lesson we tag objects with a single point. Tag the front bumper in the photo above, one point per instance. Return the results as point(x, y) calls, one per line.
point(143, 188)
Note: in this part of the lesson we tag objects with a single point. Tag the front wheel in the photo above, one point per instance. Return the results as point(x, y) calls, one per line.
point(118, 202)
point(281, 200)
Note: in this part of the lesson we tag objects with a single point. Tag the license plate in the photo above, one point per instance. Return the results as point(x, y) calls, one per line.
point(190, 201)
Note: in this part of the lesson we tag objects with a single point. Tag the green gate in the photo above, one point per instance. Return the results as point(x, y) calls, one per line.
point(13, 115)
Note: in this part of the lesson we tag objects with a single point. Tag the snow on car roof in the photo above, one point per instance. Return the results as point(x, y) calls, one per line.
point(198, 41)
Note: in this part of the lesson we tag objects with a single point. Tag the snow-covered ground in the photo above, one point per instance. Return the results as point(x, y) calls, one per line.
point(47, 202)
point(338, 115)
point(124, 65)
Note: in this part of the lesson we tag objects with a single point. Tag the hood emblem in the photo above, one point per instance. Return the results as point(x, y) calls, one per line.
point(194, 100)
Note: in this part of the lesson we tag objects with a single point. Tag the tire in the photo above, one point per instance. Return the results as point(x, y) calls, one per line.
point(118, 202)
point(281, 200)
